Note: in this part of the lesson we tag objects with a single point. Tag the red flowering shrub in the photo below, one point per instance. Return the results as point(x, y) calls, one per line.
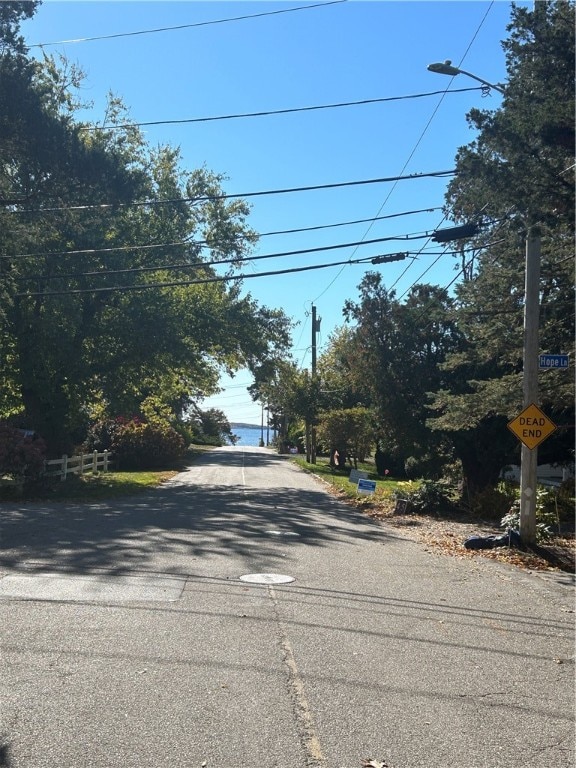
point(147, 446)
point(101, 434)
point(21, 456)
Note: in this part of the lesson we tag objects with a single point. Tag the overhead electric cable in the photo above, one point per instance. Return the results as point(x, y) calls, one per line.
point(207, 198)
point(218, 262)
point(475, 35)
point(444, 92)
point(202, 243)
point(375, 218)
point(186, 26)
point(181, 283)
point(266, 113)
point(347, 223)
point(216, 279)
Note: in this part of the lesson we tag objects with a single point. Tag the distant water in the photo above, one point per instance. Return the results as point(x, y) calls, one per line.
point(249, 435)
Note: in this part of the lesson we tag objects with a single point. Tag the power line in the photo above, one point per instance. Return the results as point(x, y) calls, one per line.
point(474, 36)
point(266, 113)
point(347, 223)
point(410, 156)
point(181, 283)
point(218, 262)
point(207, 198)
point(202, 243)
point(185, 26)
point(444, 92)
point(216, 279)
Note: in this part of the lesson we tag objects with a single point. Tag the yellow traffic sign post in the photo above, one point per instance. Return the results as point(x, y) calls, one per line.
point(532, 426)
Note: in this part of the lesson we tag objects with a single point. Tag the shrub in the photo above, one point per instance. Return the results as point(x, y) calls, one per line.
point(147, 446)
point(185, 432)
point(564, 500)
point(492, 503)
point(21, 456)
point(102, 433)
point(549, 511)
point(428, 498)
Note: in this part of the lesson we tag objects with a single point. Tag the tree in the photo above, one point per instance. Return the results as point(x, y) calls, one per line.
point(340, 372)
point(519, 172)
point(398, 351)
point(349, 431)
point(211, 426)
point(293, 398)
point(116, 300)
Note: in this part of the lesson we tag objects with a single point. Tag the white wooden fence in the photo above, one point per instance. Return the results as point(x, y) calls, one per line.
point(78, 465)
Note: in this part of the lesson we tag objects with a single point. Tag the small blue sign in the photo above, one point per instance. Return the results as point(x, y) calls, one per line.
point(366, 486)
point(553, 361)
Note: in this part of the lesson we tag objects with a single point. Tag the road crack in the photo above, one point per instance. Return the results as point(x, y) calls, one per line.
point(301, 707)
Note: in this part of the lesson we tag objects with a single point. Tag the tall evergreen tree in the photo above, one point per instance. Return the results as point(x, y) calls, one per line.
point(398, 350)
point(519, 173)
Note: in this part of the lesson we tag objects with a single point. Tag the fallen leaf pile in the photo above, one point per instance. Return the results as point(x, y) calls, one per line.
point(447, 537)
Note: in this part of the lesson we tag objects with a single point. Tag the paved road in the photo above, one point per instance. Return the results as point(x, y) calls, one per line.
point(129, 640)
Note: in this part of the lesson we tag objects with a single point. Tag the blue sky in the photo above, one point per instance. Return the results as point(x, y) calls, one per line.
point(334, 53)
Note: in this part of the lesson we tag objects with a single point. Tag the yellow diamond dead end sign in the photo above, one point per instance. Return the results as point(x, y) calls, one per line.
point(532, 426)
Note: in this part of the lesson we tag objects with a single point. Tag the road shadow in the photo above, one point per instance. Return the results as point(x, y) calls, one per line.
point(5, 761)
point(181, 518)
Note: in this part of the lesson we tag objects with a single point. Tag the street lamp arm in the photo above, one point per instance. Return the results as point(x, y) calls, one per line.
point(485, 82)
point(446, 68)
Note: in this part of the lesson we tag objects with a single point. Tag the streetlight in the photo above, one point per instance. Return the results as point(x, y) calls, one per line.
point(529, 457)
point(446, 68)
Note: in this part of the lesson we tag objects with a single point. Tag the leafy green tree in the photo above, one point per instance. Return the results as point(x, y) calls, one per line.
point(350, 431)
point(340, 372)
point(110, 299)
point(292, 397)
point(398, 351)
point(211, 426)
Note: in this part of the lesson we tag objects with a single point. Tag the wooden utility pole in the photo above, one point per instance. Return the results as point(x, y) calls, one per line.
point(315, 328)
point(529, 457)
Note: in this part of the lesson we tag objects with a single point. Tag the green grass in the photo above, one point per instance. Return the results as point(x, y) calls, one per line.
point(89, 487)
point(385, 487)
point(104, 485)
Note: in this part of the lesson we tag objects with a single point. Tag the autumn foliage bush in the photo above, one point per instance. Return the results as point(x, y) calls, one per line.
point(21, 456)
point(138, 445)
point(102, 433)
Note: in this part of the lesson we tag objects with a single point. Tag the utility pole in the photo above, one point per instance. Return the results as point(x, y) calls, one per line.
point(529, 457)
point(315, 329)
point(313, 340)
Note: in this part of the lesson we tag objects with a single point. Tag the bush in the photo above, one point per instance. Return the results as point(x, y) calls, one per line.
point(429, 465)
point(147, 446)
point(492, 503)
point(102, 433)
point(21, 456)
point(551, 507)
point(186, 432)
point(429, 498)
point(564, 500)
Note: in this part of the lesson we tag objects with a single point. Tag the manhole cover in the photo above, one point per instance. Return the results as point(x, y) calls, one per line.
point(266, 578)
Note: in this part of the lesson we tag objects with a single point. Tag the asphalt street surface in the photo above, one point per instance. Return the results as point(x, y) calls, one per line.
point(130, 639)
